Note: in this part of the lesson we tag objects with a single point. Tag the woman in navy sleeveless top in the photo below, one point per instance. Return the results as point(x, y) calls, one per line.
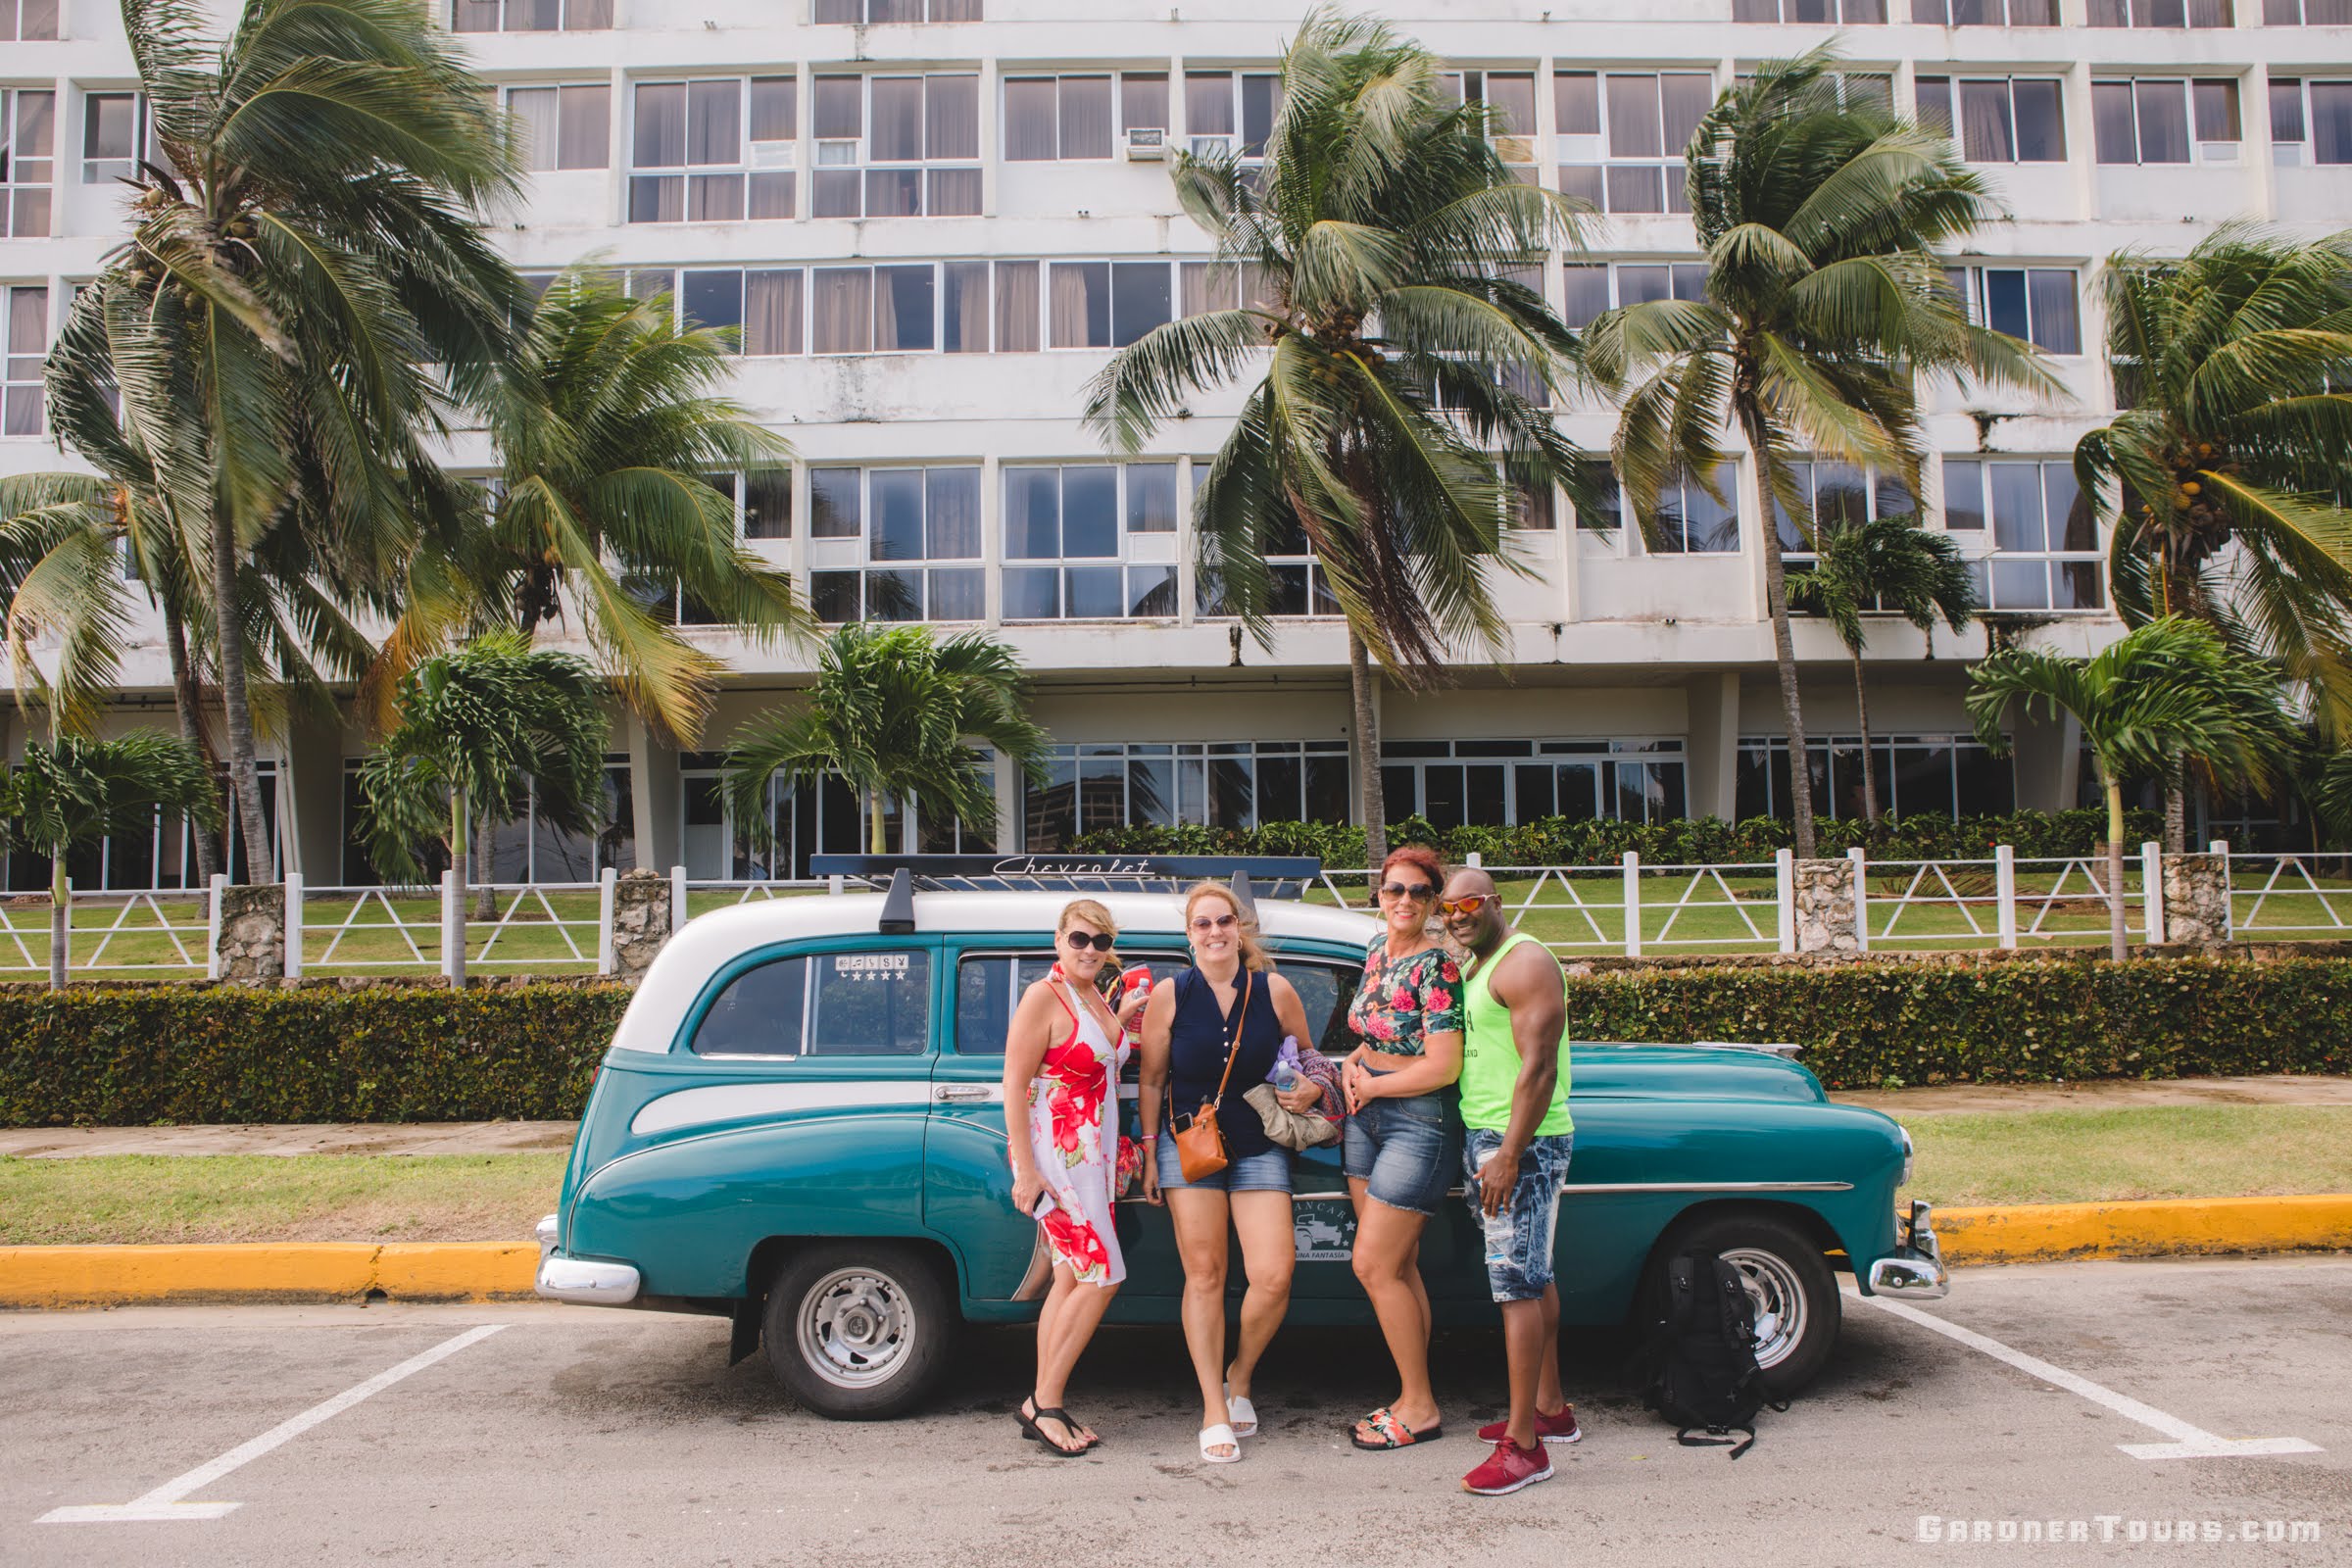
point(1230, 1000)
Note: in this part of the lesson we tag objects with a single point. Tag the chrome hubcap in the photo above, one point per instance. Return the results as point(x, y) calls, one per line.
point(855, 1326)
point(1780, 1303)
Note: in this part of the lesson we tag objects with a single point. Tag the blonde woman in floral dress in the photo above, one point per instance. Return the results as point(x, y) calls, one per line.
point(1062, 1054)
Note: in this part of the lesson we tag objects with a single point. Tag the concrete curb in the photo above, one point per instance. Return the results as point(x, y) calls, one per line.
point(37, 1277)
point(2154, 1228)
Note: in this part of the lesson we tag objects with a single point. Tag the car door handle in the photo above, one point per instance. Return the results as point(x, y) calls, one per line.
point(965, 1092)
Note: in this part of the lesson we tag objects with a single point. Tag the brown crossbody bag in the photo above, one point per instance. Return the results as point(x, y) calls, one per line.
point(1201, 1143)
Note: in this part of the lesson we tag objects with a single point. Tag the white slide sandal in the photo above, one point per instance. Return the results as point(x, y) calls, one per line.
point(1220, 1436)
point(1241, 1413)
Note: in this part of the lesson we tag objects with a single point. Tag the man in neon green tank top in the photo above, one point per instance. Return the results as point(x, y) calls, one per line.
point(1516, 1140)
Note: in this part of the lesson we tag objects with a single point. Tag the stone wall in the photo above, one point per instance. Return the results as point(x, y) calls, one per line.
point(1825, 906)
point(253, 934)
point(2197, 898)
point(640, 922)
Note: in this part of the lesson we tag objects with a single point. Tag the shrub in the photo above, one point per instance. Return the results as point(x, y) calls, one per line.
point(167, 1054)
point(1599, 841)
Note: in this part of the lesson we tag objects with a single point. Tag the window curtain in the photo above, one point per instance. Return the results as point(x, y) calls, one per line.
point(842, 309)
point(1634, 116)
point(897, 132)
point(713, 122)
point(1209, 286)
point(1987, 132)
point(952, 503)
point(1086, 116)
point(2163, 115)
point(1209, 103)
point(584, 133)
point(1017, 306)
point(771, 311)
point(660, 131)
point(953, 129)
point(1143, 101)
point(1080, 291)
point(536, 123)
point(2111, 122)
point(904, 299)
point(1029, 119)
point(964, 298)
point(2050, 292)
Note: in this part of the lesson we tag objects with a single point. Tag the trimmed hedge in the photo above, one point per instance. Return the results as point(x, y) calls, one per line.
point(1866, 1026)
point(1692, 840)
point(152, 1055)
point(168, 1053)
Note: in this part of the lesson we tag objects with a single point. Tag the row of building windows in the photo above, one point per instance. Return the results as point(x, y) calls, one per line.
point(727, 149)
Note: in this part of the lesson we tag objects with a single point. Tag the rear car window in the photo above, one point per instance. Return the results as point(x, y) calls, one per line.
point(989, 985)
point(875, 1003)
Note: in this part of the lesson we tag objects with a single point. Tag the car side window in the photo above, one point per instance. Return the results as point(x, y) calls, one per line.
point(875, 1003)
point(989, 985)
point(1324, 989)
point(760, 1014)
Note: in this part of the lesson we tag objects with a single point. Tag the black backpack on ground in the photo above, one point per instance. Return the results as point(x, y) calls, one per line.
point(1701, 1362)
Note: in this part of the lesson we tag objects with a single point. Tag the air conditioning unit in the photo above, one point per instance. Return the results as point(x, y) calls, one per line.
point(1146, 144)
point(2221, 153)
point(1212, 146)
point(836, 154)
point(2287, 154)
point(775, 154)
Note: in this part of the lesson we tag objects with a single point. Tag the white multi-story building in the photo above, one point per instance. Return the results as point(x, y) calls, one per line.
point(933, 221)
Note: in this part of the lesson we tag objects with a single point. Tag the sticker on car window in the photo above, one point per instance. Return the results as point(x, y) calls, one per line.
point(870, 965)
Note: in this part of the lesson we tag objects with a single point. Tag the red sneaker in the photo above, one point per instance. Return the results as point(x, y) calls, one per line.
point(1559, 1428)
point(1509, 1468)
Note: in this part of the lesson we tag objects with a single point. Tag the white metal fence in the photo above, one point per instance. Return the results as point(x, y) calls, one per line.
point(1630, 908)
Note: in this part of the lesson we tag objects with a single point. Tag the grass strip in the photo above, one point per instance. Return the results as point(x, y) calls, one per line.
point(2068, 1156)
point(275, 1198)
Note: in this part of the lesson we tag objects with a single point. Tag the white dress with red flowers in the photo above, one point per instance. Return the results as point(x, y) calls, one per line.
point(1073, 1131)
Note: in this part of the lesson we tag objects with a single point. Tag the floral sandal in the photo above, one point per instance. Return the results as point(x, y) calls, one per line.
point(1393, 1433)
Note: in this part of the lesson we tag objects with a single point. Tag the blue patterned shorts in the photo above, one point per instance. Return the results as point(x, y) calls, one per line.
point(1532, 1210)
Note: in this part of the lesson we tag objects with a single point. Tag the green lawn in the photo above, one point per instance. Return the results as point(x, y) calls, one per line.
point(2056, 1157)
point(1964, 1158)
point(268, 1198)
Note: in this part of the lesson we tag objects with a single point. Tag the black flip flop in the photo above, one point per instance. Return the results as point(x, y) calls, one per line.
point(1055, 1412)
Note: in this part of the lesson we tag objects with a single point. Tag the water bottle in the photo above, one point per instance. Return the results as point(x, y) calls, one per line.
point(1285, 1077)
point(1500, 1230)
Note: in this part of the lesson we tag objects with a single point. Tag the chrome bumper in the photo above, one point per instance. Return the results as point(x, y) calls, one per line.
point(587, 1281)
point(1915, 1272)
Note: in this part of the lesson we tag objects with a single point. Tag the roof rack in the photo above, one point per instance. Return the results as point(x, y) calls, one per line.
point(1251, 876)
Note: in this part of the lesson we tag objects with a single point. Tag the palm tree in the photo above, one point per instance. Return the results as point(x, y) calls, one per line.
point(608, 429)
point(1402, 367)
point(484, 732)
point(2168, 689)
point(1889, 564)
point(1824, 299)
point(305, 294)
point(893, 713)
point(2234, 430)
point(71, 789)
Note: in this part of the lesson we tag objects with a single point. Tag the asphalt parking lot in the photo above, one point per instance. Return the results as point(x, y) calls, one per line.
point(572, 1434)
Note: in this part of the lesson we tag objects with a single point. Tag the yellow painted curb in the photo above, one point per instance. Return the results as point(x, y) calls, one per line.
point(477, 1271)
point(265, 1271)
point(2150, 1228)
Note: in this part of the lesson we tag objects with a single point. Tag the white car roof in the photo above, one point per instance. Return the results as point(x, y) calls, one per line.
point(709, 943)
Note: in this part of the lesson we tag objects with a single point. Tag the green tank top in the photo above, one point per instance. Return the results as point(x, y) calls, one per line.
point(1491, 1058)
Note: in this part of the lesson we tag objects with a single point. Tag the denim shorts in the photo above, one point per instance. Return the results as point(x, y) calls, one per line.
point(1532, 1210)
point(1397, 1148)
point(1265, 1172)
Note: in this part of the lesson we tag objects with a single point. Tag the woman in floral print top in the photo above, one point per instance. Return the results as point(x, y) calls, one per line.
point(1401, 1131)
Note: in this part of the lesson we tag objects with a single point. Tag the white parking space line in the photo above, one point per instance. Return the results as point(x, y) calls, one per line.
point(164, 1502)
point(2189, 1441)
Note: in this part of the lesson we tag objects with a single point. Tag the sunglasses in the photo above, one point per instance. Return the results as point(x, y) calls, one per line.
point(1099, 941)
point(1408, 889)
point(1220, 923)
point(1469, 904)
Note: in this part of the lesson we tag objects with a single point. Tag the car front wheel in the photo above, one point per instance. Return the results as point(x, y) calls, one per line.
point(858, 1331)
point(1795, 1294)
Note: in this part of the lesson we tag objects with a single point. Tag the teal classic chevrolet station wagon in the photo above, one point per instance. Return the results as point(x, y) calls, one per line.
point(801, 1125)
